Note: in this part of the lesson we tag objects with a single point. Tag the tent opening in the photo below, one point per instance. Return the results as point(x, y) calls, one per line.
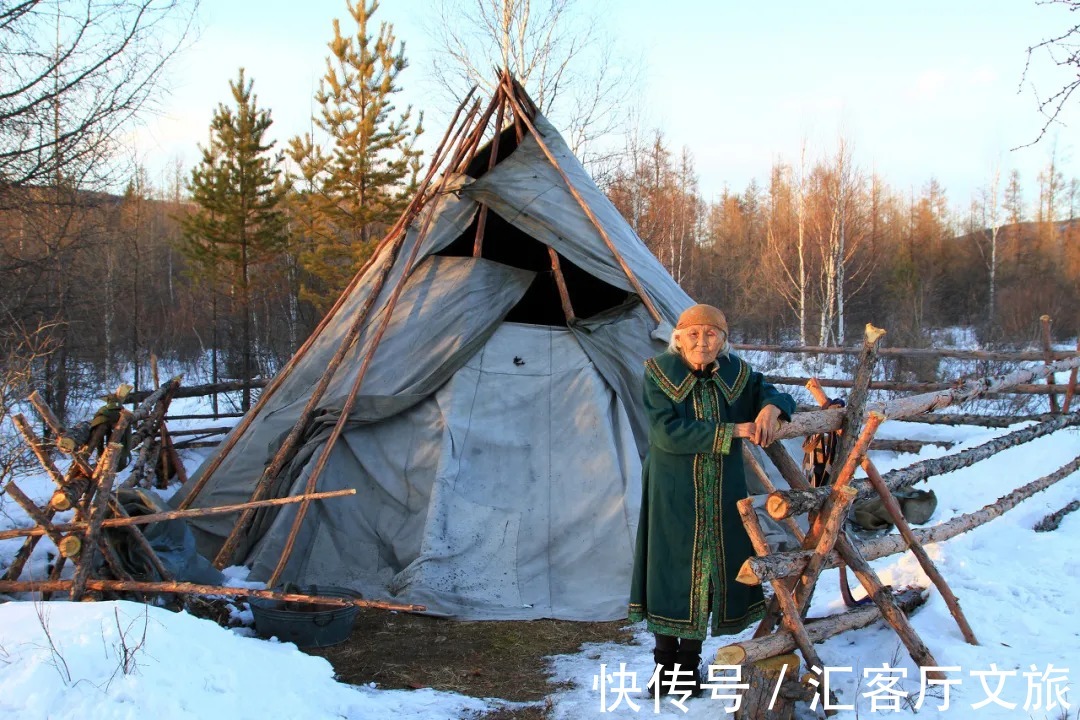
point(508, 142)
point(506, 244)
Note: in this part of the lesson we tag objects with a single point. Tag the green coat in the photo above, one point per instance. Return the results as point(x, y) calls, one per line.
point(690, 539)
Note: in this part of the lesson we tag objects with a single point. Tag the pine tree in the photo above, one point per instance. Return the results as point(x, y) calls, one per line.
point(349, 193)
point(240, 223)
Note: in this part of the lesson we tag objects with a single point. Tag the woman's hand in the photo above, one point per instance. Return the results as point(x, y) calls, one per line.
point(766, 426)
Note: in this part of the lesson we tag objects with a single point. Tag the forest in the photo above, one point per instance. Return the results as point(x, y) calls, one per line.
point(229, 265)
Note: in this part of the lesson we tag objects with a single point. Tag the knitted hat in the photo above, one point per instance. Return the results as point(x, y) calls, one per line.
point(702, 315)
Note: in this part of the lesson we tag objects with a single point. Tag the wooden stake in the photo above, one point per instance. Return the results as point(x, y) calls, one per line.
point(853, 417)
point(791, 617)
point(1048, 353)
point(1071, 389)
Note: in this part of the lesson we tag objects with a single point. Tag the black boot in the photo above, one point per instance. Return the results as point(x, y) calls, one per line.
point(689, 658)
point(665, 661)
point(667, 648)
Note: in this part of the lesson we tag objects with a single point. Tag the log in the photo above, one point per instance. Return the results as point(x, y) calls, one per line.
point(883, 598)
point(785, 564)
point(1048, 357)
point(203, 416)
point(174, 514)
point(928, 566)
point(856, 402)
point(791, 616)
point(1053, 520)
point(819, 629)
point(963, 391)
point(895, 386)
point(783, 504)
point(752, 463)
point(851, 556)
point(810, 500)
point(51, 421)
point(999, 421)
point(183, 588)
point(31, 439)
point(828, 524)
point(202, 432)
point(104, 476)
point(42, 518)
point(1013, 356)
point(761, 700)
point(907, 446)
point(916, 472)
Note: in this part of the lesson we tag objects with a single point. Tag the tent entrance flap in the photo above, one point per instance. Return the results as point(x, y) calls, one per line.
point(504, 243)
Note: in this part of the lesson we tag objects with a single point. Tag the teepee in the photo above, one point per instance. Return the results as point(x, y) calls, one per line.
point(477, 383)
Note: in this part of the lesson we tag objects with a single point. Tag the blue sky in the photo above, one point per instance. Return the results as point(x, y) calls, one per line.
point(920, 89)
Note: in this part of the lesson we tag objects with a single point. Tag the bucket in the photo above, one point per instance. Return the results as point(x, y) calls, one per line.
point(306, 624)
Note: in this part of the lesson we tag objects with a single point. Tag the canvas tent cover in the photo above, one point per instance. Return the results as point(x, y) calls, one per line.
point(497, 463)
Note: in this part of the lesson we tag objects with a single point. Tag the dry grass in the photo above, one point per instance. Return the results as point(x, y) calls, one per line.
point(482, 659)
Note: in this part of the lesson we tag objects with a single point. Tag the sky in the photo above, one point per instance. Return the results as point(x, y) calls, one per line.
point(919, 89)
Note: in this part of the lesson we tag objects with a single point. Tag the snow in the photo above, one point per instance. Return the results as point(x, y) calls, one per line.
point(1018, 589)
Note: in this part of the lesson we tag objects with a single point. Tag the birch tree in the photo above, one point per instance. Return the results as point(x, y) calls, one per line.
point(555, 48)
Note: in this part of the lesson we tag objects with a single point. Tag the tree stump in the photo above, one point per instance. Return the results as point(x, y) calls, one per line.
point(762, 677)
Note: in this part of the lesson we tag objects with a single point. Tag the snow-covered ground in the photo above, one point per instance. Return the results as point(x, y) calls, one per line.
point(1017, 587)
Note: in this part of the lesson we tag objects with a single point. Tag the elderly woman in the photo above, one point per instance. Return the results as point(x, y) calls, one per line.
point(701, 401)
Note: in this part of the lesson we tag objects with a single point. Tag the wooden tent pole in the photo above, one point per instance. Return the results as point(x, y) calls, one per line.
point(350, 399)
point(132, 520)
point(520, 112)
point(185, 588)
point(481, 222)
point(399, 227)
point(288, 447)
point(560, 283)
